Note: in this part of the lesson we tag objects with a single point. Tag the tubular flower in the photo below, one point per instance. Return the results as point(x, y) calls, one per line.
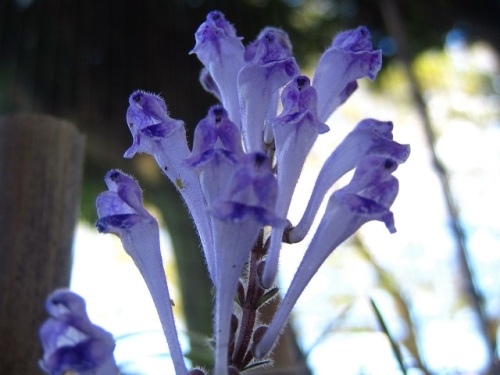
point(155, 133)
point(349, 58)
point(269, 65)
point(367, 197)
point(243, 209)
point(71, 342)
point(121, 212)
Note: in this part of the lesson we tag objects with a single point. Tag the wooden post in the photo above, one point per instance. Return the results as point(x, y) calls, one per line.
point(40, 176)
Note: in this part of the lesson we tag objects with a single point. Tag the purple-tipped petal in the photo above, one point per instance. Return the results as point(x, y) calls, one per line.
point(269, 66)
point(217, 150)
point(244, 209)
point(121, 212)
point(120, 208)
point(251, 192)
point(350, 57)
point(164, 138)
point(215, 133)
point(221, 51)
point(367, 197)
point(147, 119)
point(271, 45)
point(295, 131)
point(71, 342)
point(370, 137)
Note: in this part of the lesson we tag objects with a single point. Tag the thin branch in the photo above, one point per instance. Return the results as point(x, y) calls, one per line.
point(394, 23)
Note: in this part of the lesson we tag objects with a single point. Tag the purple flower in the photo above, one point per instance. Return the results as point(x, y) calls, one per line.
point(121, 212)
point(367, 197)
point(164, 138)
point(295, 131)
point(221, 52)
point(71, 342)
point(369, 137)
point(350, 57)
point(217, 150)
point(251, 192)
point(243, 209)
point(269, 66)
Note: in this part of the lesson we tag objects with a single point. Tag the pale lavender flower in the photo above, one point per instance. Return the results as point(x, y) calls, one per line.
point(217, 150)
point(243, 209)
point(221, 51)
point(71, 342)
point(157, 134)
point(367, 197)
point(369, 137)
point(122, 213)
point(295, 131)
point(350, 57)
point(269, 65)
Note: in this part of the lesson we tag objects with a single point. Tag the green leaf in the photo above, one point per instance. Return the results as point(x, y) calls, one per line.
point(267, 297)
point(394, 346)
point(256, 364)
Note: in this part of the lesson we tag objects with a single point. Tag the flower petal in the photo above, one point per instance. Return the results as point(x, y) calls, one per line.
point(166, 142)
point(350, 57)
point(367, 197)
point(71, 342)
point(269, 66)
point(370, 137)
point(221, 51)
point(140, 236)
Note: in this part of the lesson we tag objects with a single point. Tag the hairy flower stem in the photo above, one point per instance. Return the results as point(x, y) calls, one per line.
point(249, 310)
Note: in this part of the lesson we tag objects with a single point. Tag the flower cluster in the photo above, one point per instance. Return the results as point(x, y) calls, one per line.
point(240, 176)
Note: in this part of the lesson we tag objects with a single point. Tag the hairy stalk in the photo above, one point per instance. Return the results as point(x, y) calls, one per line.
point(249, 310)
point(248, 317)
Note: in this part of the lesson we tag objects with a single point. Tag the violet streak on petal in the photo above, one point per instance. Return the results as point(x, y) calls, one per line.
point(370, 137)
point(164, 138)
point(221, 52)
point(251, 192)
point(71, 342)
point(350, 57)
point(269, 65)
point(121, 212)
point(147, 116)
point(217, 150)
point(367, 197)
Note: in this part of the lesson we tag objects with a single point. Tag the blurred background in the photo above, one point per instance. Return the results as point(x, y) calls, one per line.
point(435, 283)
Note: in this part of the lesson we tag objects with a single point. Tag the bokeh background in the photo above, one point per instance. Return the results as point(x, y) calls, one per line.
point(436, 283)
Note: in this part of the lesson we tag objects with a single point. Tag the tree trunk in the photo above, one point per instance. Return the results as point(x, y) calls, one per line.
point(40, 170)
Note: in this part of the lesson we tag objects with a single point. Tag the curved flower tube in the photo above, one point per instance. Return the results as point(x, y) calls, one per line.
point(157, 134)
point(369, 137)
point(121, 212)
point(71, 342)
point(295, 131)
point(367, 197)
